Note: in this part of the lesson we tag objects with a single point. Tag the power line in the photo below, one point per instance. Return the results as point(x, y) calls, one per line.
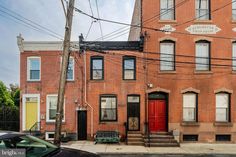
point(28, 22)
point(100, 25)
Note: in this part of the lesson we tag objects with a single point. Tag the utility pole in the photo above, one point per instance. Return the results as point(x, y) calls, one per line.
point(65, 61)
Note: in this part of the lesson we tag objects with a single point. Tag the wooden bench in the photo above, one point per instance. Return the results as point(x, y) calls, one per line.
point(107, 137)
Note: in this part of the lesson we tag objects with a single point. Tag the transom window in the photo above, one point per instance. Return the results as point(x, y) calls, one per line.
point(52, 108)
point(233, 9)
point(234, 55)
point(190, 107)
point(203, 55)
point(33, 68)
point(97, 71)
point(222, 107)
point(167, 10)
point(167, 56)
point(129, 68)
point(108, 108)
point(202, 9)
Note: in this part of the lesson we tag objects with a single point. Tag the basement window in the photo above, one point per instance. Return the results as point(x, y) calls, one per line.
point(190, 138)
point(50, 135)
point(222, 138)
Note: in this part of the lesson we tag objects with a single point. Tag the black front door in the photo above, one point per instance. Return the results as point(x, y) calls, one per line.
point(133, 116)
point(82, 125)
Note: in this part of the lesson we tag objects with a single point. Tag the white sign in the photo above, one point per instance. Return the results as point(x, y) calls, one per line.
point(203, 29)
point(167, 29)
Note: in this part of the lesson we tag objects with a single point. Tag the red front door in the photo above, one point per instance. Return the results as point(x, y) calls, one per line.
point(157, 115)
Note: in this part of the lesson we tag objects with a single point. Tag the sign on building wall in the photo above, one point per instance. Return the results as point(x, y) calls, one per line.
point(203, 29)
point(167, 29)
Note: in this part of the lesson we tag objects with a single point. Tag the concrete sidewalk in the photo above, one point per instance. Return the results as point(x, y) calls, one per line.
point(187, 148)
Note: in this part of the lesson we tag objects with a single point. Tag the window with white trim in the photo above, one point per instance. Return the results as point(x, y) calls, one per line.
point(203, 56)
point(234, 55)
point(167, 9)
point(167, 56)
point(190, 107)
point(33, 68)
point(222, 107)
point(202, 9)
point(52, 108)
point(233, 9)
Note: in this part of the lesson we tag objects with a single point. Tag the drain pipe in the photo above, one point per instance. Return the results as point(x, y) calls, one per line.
point(85, 92)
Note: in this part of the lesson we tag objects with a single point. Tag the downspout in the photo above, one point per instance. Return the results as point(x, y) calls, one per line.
point(85, 92)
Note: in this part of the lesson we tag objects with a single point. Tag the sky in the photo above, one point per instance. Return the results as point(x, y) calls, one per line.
point(49, 14)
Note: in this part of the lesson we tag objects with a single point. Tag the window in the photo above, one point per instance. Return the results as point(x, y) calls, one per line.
point(189, 138)
point(203, 56)
point(70, 70)
point(167, 10)
point(202, 9)
point(129, 68)
point(50, 135)
point(108, 108)
point(167, 57)
point(233, 10)
point(97, 68)
point(52, 108)
point(33, 66)
point(234, 56)
point(190, 107)
point(222, 107)
point(223, 138)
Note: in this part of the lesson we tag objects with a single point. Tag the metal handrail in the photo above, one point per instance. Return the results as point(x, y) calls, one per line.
point(36, 126)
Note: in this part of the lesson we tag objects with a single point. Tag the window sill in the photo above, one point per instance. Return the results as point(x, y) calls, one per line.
point(167, 72)
point(129, 80)
point(202, 72)
point(96, 81)
point(233, 21)
point(68, 81)
point(190, 124)
point(108, 122)
point(226, 124)
point(234, 72)
point(33, 81)
point(203, 22)
point(53, 122)
point(167, 21)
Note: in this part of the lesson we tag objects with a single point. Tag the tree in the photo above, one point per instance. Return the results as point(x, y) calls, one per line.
point(5, 96)
point(15, 94)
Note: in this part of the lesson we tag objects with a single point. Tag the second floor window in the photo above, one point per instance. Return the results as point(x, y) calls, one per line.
point(234, 55)
point(233, 9)
point(203, 56)
point(167, 56)
point(202, 9)
point(70, 71)
point(97, 68)
point(190, 107)
point(167, 9)
point(33, 68)
point(129, 67)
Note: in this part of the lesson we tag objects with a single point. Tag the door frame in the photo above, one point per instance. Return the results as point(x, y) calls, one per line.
point(127, 116)
point(78, 123)
point(24, 108)
point(166, 98)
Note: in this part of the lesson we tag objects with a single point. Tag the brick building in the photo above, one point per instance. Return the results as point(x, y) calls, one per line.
point(181, 83)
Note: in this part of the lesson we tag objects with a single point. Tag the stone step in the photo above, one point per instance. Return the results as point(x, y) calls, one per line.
point(159, 136)
point(134, 132)
point(135, 135)
point(162, 144)
point(135, 140)
point(161, 133)
point(160, 141)
point(135, 143)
